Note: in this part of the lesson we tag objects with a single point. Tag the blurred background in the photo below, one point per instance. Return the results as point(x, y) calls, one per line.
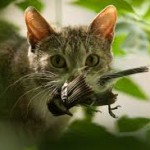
point(131, 48)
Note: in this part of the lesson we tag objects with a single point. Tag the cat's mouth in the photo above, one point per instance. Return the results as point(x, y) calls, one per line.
point(71, 94)
point(78, 92)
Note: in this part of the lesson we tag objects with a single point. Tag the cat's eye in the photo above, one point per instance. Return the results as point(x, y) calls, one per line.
point(58, 61)
point(92, 60)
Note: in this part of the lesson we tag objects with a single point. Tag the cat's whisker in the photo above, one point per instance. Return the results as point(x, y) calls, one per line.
point(28, 92)
point(49, 85)
point(14, 83)
point(53, 81)
point(54, 91)
point(44, 94)
point(82, 68)
point(43, 106)
point(40, 94)
point(20, 98)
point(26, 77)
point(49, 94)
point(36, 76)
point(50, 88)
point(50, 73)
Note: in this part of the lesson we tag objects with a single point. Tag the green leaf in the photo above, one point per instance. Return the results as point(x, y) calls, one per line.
point(148, 133)
point(136, 40)
point(7, 30)
point(31, 148)
point(36, 3)
point(5, 3)
point(146, 16)
point(97, 5)
point(85, 135)
point(126, 124)
point(81, 135)
point(117, 45)
point(129, 87)
point(136, 3)
point(140, 6)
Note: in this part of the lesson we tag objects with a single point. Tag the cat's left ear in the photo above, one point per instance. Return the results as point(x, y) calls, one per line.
point(37, 26)
point(104, 23)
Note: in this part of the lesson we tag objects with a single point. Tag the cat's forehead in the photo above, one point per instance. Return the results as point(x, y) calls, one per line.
point(79, 35)
point(73, 38)
point(73, 32)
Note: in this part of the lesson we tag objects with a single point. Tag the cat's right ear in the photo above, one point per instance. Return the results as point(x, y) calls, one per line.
point(37, 26)
point(104, 23)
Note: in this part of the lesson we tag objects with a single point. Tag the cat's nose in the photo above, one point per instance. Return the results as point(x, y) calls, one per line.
point(75, 73)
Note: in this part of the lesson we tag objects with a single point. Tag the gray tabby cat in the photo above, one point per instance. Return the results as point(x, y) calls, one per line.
point(56, 70)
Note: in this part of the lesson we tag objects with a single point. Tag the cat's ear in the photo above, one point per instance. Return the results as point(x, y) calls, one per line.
point(37, 26)
point(104, 23)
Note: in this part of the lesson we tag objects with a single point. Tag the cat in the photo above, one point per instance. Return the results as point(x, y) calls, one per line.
point(40, 80)
point(71, 54)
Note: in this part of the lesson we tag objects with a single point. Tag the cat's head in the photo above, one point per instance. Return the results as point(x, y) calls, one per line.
point(64, 56)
